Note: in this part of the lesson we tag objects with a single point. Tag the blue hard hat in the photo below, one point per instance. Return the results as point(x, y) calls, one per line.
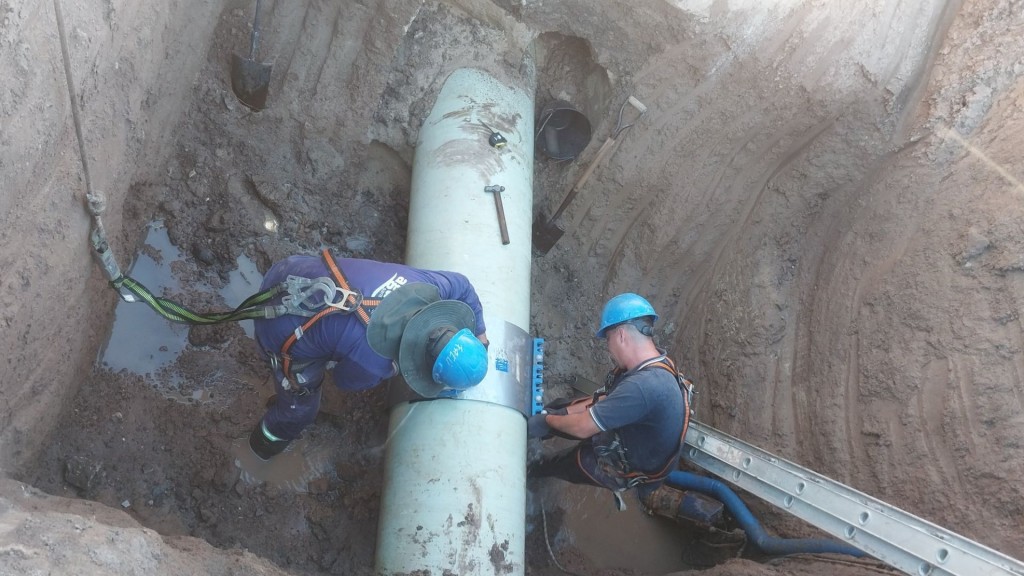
point(462, 363)
point(438, 350)
point(623, 308)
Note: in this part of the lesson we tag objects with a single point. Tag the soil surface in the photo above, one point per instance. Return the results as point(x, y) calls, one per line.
point(823, 203)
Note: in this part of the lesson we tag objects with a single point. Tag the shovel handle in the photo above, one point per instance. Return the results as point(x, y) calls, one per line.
point(254, 38)
point(502, 226)
point(601, 153)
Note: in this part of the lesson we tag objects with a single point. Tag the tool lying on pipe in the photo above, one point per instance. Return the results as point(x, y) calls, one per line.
point(497, 190)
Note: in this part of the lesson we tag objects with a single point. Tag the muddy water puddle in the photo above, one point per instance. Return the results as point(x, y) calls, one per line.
point(141, 341)
point(144, 343)
point(613, 540)
point(292, 470)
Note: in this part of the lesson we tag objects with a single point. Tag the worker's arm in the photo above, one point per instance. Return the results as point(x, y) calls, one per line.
point(570, 418)
point(578, 424)
point(456, 286)
point(564, 406)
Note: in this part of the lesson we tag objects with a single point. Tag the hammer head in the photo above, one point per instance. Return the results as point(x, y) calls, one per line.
point(495, 189)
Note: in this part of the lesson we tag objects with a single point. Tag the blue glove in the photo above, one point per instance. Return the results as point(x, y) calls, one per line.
point(537, 426)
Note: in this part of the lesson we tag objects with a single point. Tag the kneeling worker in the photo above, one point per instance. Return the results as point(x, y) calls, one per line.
point(632, 431)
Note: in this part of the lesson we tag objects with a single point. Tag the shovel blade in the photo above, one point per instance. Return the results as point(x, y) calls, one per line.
point(250, 81)
point(545, 234)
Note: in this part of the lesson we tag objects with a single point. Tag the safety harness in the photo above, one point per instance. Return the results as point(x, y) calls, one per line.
point(613, 460)
point(351, 301)
point(313, 298)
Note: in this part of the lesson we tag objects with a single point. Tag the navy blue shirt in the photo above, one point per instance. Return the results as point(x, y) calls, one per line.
point(646, 409)
point(341, 338)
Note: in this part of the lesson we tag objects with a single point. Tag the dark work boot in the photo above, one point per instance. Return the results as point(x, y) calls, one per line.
point(264, 447)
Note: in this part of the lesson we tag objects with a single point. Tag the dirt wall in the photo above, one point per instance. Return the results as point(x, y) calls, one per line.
point(823, 204)
point(133, 82)
point(45, 534)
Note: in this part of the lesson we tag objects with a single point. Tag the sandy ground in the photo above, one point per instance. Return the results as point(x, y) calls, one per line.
point(822, 201)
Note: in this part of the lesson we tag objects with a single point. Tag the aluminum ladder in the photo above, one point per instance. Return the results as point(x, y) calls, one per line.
point(896, 537)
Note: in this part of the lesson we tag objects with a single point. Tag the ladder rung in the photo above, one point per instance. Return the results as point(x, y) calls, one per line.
point(894, 536)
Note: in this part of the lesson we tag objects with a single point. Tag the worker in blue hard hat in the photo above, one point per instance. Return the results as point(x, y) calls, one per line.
point(364, 321)
point(632, 430)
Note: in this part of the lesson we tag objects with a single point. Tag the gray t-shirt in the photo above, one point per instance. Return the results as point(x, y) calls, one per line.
point(646, 409)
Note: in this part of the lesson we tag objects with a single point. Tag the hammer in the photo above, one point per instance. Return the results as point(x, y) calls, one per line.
point(497, 190)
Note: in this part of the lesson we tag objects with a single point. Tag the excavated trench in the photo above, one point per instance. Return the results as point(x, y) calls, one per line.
point(822, 203)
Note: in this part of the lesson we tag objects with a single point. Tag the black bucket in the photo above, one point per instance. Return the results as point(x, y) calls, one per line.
point(562, 131)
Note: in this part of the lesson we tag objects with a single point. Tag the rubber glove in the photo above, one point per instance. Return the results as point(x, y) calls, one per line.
point(537, 426)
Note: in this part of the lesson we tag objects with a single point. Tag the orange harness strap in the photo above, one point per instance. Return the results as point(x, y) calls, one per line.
point(340, 279)
point(286, 359)
point(667, 364)
point(640, 477)
point(352, 297)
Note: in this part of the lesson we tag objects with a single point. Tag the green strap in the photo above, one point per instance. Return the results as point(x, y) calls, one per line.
point(250, 309)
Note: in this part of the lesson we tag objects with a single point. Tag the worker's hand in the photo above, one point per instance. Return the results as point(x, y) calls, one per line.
point(483, 340)
point(537, 426)
point(558, 404)
point(560, 411)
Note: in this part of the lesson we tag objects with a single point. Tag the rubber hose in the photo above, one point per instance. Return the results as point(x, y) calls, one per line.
point(755, 533)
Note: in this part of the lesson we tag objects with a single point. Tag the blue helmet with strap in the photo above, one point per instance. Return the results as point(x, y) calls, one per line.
point(462, 363)
point(623, 308)
point(438, 350)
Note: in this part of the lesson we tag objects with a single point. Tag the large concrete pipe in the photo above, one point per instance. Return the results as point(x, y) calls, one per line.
point(454, 491)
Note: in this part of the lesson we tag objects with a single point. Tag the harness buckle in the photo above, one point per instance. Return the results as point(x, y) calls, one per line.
point(307, 296)
point(633, 482)
point(343, 305)
point(637, 480)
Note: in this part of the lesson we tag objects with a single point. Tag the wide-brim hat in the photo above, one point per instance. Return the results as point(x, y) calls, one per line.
point(414, 359)
point(389, 318)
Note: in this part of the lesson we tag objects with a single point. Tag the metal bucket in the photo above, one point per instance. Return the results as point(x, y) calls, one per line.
point(562, 131)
